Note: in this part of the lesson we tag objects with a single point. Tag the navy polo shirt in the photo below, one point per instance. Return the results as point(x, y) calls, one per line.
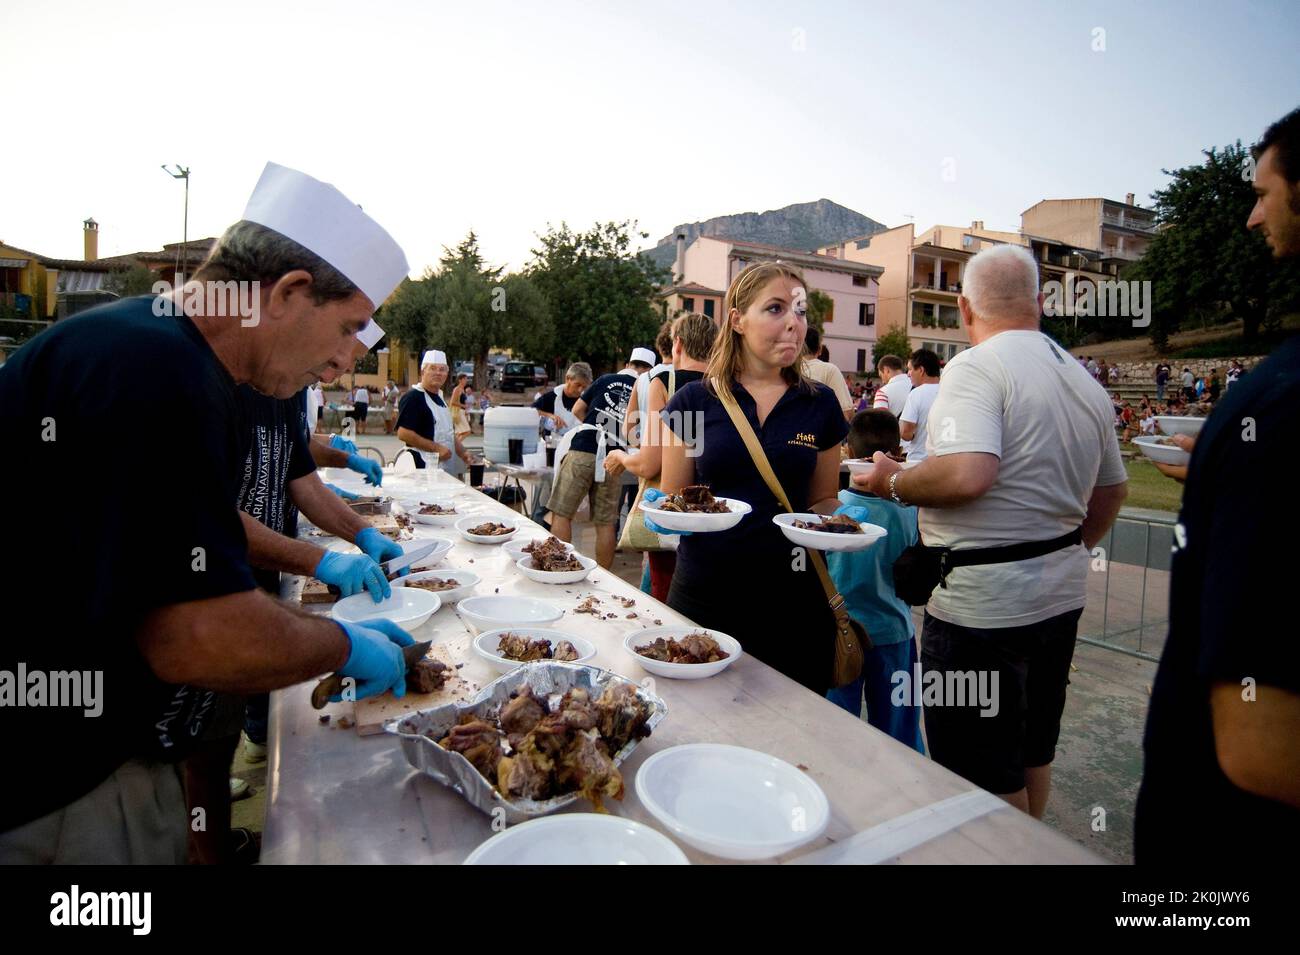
point(803, 423)
point(414, 414)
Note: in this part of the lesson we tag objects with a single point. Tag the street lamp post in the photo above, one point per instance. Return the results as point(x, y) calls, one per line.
point(182, 172)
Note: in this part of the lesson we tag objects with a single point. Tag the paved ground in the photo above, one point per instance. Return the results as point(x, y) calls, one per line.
point(1099, 757)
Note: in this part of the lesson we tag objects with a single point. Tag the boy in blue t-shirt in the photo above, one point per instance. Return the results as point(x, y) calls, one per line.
point(865, 579)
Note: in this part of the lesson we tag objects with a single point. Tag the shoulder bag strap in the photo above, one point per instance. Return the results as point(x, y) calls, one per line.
point(764, 466)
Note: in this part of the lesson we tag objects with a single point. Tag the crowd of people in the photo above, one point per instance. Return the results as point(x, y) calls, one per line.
point(463, 400)
point(995, 475)
point(1019, 478)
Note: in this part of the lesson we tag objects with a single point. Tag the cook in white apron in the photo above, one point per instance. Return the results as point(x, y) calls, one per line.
point(443, 434)
point(566, 415)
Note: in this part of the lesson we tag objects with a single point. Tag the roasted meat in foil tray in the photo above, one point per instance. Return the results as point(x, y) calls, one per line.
point(544, 727)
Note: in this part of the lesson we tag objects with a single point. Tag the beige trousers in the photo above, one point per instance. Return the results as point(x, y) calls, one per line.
point(137, 816)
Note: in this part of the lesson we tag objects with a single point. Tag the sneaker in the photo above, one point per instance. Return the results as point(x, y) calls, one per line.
point(254, 753)
point(239, 789)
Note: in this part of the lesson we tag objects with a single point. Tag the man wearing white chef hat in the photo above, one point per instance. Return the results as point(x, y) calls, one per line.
point(424, 420)
point(164, 611)
point(277, 480)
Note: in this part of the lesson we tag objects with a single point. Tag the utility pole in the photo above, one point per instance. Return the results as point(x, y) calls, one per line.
point(182, 172)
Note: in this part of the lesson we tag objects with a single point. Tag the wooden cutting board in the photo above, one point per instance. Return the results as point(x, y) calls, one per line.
point(315, 592)
point(386, 524)
point(373, 712)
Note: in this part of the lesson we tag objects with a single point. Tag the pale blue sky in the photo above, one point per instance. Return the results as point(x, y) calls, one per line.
point(439, 117)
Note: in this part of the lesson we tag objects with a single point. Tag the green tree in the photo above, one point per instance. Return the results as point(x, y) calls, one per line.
point(598, 290)
point(408, 313)
point(476, 308)
point(893, 342)
point(466, 308)
point(1203, 263)
point(819, 306)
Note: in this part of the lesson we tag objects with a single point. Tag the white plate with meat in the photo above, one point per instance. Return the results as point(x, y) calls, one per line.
point(850, 535)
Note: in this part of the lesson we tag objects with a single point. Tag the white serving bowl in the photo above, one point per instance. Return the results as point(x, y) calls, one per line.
point(555, 576)
point(492, 613)
point(1179, 424)
point(486, 644)
point(1162, 453)
point(681, 671)
point(694, 522)
point(436, 520)
point(467, 579)
point(515, 547)
point(465, 523)
point(407, 607)
point(732, 802)
point(825, 540)
point(578, 838)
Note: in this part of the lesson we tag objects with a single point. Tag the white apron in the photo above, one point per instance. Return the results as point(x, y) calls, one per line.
point(567, 416)
point(567, 440)
point(444, 434)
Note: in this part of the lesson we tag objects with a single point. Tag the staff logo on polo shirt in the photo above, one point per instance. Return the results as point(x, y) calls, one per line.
point(804, 440)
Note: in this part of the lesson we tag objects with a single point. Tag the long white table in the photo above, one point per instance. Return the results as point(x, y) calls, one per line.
point(335, 796)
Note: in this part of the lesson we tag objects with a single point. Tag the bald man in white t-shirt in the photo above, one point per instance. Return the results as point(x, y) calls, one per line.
point(1023, 453)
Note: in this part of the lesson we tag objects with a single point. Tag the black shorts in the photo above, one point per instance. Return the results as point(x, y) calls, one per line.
point(1032, 669)
point(360, 412)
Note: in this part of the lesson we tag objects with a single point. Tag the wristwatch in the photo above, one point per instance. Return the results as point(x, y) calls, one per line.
point(893, 491)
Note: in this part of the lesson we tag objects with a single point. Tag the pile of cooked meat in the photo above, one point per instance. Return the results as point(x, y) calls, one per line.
point(697, 647)
point(436, 509)
point(530, 751)
point(492, 529)
point(836, 524)
point(552, 555)
point(694, 499)
point(450, 583)
point(426, 676)
point(516, 646)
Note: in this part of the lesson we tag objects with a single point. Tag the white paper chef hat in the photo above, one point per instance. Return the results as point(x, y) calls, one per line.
point(643, 354)
point(433, 357)
point(320, 218)
point(370, 335)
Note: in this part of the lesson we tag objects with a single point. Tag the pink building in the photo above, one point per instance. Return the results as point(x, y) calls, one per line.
point(710, 263)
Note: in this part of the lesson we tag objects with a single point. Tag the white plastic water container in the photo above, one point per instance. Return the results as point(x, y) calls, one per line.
point(502, 424)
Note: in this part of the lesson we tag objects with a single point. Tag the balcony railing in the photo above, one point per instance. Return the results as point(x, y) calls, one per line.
point(1138, 225)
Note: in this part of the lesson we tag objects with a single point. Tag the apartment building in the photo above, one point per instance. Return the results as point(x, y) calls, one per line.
point(922, 279)
point(705, 269)
point(1120, 231)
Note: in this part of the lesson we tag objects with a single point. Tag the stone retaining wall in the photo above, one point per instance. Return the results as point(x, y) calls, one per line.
point(1144, 372)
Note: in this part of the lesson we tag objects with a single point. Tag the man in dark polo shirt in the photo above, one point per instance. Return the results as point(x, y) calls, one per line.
point(142, 604)
point(1221, 782)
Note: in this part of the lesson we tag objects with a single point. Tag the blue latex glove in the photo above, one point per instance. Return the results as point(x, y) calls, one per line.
point(346, 495)
point(654, 494)
point(379, 548)
point(352, 573)
point(367, 466)
point(340, 443)
point(375, 661)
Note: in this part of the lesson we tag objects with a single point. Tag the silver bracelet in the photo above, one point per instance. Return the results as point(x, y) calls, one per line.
point(893, 491)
